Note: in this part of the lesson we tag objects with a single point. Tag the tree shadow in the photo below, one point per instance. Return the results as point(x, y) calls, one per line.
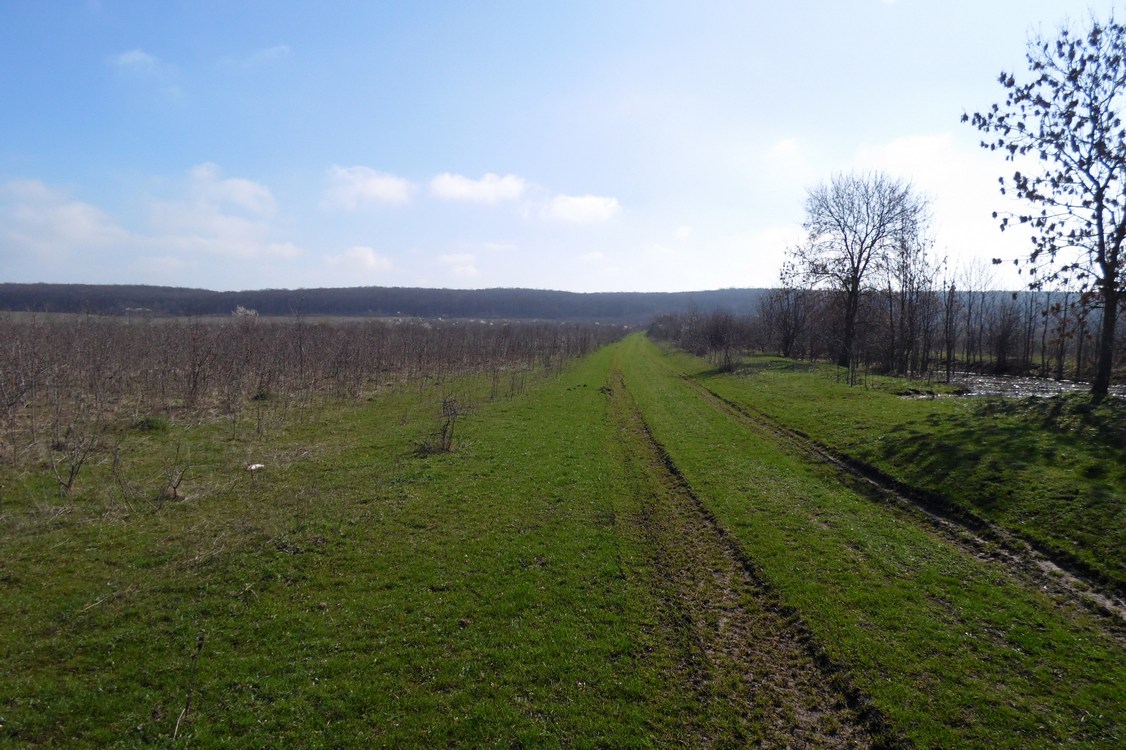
point(1053, 469)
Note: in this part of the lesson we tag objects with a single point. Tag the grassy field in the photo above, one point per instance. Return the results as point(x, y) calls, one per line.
point(349, 592)
point(952, 649)
point(1052, 470)
point(608, 559)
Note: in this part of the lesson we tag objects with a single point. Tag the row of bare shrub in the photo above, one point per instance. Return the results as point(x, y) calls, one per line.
point(60, 374)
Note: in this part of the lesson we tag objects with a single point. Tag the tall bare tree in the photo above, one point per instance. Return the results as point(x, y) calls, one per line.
point(1069, 115)
point(855, 222)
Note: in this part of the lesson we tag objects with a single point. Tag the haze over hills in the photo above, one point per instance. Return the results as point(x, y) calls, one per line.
point(620, 307)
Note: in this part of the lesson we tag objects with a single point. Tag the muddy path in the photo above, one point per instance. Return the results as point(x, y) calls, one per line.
point(748, 659)
point(975, 535)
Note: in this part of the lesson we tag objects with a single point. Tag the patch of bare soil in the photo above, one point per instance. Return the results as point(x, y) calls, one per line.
point(977, 536)
point(750, 662)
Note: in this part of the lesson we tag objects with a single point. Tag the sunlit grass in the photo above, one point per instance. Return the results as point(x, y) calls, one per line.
point(353, 594)
point(953, 650)
point(1052, 470)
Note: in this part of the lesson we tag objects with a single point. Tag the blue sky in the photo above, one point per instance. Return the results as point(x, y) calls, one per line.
point(586, 146)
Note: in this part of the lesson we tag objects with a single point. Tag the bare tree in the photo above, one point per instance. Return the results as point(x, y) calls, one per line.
point(70, 454)
point(975, 278)
point(949, 324)
point(855, 221)
point(788, 311)
point(909, 273)
point(1070, 116)
point(722, 334)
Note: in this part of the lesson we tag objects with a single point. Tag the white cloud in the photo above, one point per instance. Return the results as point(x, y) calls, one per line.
point(582, 209)
point(768, 250)
point(784, 148)
point(135, 59)
point(46, 234)
point(46, 222)
point(594, 257)
point(961, 180)
point(683, 232)
point(490, 189)
point(497, 247)
point(199, 227)
point(460, 264)
point(209, 185)
point(162, 266)
point(268, 55)
point(147, 70)
point(227, 217)
point(361, 258)
point(784, 171)
point(354, 187)
point(660, 251)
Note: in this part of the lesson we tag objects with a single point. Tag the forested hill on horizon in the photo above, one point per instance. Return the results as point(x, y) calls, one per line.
point(622, 307)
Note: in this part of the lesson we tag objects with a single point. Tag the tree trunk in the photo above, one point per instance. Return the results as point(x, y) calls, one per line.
point(852, 306)
point(1105, 355)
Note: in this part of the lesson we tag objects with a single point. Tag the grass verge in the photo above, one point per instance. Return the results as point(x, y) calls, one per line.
point(954, 651)
point(1051, 470)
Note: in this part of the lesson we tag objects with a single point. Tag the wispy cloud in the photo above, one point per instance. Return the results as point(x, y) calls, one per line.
point(361, 258)
point(209, 185)
point(135, 59)
point(582, 209)
point(267, 55)
point(490, 189)
point(147, 70)
point(258, 58)
point(46, 232)
point(461, 264)
point(351, 188)
point(961, 182)
point(200, 228)
point(219, 216)
point(47, 223)
point(785, 148)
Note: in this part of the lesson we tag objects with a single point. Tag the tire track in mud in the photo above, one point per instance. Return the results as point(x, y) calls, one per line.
point(748, 659)
point(977, 536)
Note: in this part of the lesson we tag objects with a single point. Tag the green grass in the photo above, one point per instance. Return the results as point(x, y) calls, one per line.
point(352, 594)
point(955, 652)
point(1052, 470)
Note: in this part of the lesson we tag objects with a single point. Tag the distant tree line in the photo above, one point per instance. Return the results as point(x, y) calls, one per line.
point(490, 304)
point(920, 330)
point(866, 291)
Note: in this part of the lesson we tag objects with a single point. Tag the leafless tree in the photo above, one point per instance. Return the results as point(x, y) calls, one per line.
point(949, 325)
point(71, 453)
point(855, 222)
point(1069, 115)
point(909, 303)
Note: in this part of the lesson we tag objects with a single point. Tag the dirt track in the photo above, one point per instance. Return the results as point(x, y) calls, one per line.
point(741, 650)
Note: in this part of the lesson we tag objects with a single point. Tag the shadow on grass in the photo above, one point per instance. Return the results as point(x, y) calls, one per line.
point(1053, 469)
